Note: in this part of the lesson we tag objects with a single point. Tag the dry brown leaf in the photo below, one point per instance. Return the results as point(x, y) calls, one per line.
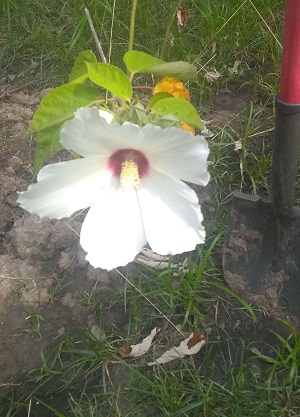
point(212, 75)
point(125, 351)
point(134, 351)
point(189, 346)
point(234, 69)
point(205, 131)
point(183, 16)
point(238, 145)
point(152, 259)
point(196, 338)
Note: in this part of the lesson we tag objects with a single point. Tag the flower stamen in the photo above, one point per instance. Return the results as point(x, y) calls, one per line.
point(129, 176)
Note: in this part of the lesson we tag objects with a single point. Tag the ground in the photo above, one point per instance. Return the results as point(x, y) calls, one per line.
point(39, 259)
point(47, 288)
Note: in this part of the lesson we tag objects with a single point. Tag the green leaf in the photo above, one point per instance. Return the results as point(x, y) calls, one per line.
point(47, 142)
point(168, 120)
point(79, 71)
point(55, 108)
point(137, 61)
point(182, 109)
point(159, 96)
point(60, 104)
point(178, 69)
point(111, 78)
point(137, 114)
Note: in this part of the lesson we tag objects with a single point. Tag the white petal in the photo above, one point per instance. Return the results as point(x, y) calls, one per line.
point(89, 134)
point(66, 187)
point(171, 215)
point(171, 151)
point(112, 233)
point(176, 153)
point(107, 116)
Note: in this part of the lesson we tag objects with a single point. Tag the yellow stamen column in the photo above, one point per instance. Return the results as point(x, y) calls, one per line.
point(129, 176)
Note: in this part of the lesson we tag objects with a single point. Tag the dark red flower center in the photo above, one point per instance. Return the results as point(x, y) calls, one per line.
point(118, 158)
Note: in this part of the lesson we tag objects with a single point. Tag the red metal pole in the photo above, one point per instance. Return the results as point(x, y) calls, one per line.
point(290, 66)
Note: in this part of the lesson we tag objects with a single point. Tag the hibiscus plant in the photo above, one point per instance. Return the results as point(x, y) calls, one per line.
point(131, 158)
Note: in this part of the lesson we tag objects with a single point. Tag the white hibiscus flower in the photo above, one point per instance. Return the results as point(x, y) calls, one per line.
point(131, 178)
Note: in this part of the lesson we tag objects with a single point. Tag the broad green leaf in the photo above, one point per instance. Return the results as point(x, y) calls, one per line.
point(168, 120)
point(60, 104)
point(137, 61)
point(47, 142)
point(159, 96)
point(182, 109)
point(55, 108)
point(111, 78)
point(137, 114)
point(178, 69)
point(79, 71)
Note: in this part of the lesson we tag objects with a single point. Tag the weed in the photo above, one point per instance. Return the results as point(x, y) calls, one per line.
point(34, 324)
point(285, 361)
point(58, 288)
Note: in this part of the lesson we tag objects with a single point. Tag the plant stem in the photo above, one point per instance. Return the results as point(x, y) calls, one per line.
point(131, 32)
point(97, 41)
point(168, 31)
point(143, 87)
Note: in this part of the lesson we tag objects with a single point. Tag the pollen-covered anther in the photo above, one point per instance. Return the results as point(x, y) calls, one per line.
point(129, 176)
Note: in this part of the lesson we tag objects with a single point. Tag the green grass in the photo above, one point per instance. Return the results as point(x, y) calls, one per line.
point(43, 39)
point(230, 376)
point(234, 375)
point(241, 371)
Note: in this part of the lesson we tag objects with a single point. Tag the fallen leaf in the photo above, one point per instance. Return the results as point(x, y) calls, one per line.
point(205, 131)
point(196, 338)
point(134, 351)
point(238, 145)
point(152, 259)
point(212, 75)
point(234, 69)
point(189, 346)
point(125, 351)
point(183, 16)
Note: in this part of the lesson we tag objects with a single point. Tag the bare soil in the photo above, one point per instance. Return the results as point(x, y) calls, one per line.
point(37, 257)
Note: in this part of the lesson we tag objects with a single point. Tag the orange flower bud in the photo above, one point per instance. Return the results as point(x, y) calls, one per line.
point(189, 128)
point(173, 86)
